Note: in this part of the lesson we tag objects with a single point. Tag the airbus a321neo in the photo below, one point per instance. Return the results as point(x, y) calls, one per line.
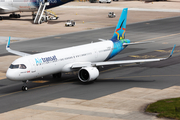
point(84, 58)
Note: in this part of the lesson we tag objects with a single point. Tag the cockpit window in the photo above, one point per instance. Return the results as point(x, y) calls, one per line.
point(22, 66)
point(14, 66)
point(18, 66)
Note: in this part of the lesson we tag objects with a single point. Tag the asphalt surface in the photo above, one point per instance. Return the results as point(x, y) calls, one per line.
point(158, 75)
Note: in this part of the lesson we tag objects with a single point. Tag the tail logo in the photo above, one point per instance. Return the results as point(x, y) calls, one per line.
point(118, 34)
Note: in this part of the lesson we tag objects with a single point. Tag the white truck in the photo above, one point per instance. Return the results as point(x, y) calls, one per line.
point(111, 15)
point(70, 23)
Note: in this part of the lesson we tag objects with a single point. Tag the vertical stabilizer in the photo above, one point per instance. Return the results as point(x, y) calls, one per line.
point(120, 30)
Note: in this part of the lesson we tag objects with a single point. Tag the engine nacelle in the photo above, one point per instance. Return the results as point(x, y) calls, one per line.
point(88, 74)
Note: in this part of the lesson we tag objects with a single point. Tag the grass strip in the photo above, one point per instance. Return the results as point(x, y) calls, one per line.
point(168, 108)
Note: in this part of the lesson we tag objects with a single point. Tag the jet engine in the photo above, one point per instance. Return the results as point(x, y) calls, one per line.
point(88, 74)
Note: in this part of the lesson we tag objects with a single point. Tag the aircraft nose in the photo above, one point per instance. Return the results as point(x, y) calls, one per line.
point(10, 75)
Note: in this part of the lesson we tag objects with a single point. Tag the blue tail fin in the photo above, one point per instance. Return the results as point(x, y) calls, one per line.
point(120, 30)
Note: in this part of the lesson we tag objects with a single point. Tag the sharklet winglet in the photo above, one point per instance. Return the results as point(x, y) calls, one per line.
point(172, 50)
point(8, 42)
point(170, 53)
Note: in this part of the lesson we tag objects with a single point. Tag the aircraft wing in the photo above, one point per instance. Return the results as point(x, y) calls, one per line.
point(95, 64)
point(5, 7)
point(14, 51)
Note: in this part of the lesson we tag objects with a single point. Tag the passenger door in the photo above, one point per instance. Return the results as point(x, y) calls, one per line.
point(33, 67)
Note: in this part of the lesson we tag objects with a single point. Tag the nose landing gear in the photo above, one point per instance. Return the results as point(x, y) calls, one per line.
point(25, 88)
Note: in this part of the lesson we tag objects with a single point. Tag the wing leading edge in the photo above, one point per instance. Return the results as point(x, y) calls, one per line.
point(14, 51)
point(96, 64)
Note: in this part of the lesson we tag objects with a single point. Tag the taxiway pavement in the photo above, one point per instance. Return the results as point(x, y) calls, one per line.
point(164, 32)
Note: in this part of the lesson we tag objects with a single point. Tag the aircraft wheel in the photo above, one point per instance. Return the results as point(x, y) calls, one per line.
point(1, 18)
point(10, 15)
point(22, 88)
point(25, 88)
point(42, 20)
point(18, 15)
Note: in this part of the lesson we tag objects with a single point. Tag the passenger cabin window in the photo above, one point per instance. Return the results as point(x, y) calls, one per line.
point(18, 66)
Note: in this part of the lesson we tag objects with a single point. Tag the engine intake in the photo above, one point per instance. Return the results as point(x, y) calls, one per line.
point(88, 74)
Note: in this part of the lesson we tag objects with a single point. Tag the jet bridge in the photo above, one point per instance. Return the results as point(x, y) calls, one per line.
point(42, 14)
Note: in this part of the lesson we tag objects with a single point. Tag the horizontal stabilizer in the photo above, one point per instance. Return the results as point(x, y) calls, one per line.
point(137, 43)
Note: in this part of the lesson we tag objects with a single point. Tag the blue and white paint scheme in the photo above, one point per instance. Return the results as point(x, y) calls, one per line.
point(84, 58)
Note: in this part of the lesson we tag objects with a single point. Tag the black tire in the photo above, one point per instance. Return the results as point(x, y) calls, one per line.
point(25, 88)
point(19, 16)
point(10, 15)
point(42, 19)
point(1, 18)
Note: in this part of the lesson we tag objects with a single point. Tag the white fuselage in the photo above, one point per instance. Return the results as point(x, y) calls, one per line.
point(61, 60)
point(12, 6)
point(9, 6)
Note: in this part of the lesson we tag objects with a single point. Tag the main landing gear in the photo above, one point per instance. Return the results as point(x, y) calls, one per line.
point(14, 15)
point(1, 18)
point(25, 88)
point(57, 75)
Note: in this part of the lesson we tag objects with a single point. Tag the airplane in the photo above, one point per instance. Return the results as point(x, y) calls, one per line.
point(83, 58)
point(12, 6)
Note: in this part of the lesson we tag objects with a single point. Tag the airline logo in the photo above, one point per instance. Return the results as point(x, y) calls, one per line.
point(118, 35)
point(46, 59)
point(119, 31)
